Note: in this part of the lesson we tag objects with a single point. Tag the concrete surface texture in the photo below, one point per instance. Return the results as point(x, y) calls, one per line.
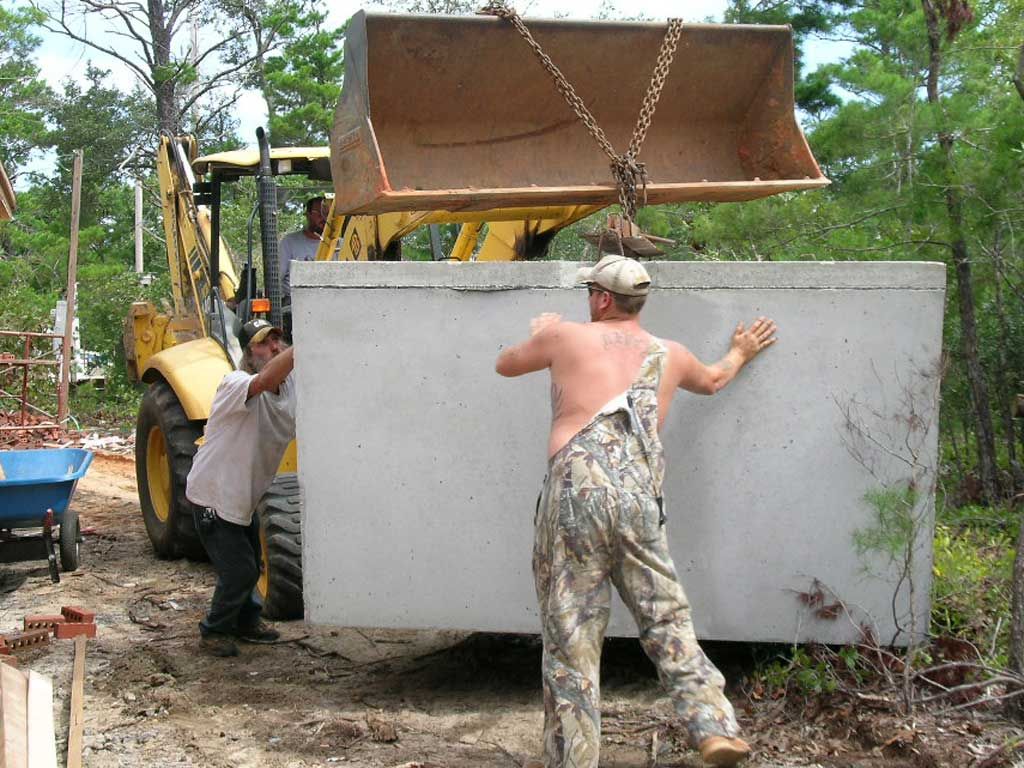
point(420, 467)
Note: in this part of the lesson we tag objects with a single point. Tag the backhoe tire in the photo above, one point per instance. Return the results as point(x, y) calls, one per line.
point(165, 444)
point(280, 520)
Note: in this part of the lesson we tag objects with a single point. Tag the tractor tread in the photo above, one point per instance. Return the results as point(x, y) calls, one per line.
point(280, 516)
point(160, 407)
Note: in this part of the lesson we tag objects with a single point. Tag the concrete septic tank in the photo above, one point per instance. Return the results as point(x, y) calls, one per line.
point(420, 467)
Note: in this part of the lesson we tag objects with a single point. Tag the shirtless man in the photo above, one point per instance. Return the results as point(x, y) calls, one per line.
point(600, 518)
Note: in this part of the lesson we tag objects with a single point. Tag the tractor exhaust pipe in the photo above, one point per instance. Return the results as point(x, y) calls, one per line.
point(267, 188)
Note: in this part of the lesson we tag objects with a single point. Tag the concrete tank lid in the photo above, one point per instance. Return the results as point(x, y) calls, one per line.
point(702, 275)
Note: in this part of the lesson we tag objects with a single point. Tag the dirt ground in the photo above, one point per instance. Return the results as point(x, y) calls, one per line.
point(384, 698)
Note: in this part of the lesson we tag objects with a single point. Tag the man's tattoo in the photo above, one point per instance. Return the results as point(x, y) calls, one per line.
point(557, 395)
point(620, 339)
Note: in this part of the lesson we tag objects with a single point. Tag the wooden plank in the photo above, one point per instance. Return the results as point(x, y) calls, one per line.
point(69, 319)
point(42, 746)
point(15, 716)
point(76, 726)
point(3, 730)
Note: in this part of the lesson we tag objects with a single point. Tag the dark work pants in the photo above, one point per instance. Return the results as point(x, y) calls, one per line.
point(234, 552)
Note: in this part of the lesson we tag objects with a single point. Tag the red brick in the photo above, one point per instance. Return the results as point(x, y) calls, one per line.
point(25, 639)
point(43, 622)
point(78, 615)
point(12, 660)
point(4, 650)
point(68, 630)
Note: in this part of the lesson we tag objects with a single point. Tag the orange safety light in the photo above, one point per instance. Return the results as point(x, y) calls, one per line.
point(260, 305)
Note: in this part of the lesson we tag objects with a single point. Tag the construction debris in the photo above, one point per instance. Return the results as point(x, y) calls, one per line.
point(34, 436)
point(43, 622)
point(27, 638)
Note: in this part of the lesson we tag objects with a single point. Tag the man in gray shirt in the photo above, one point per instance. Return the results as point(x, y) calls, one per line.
point(301, 245)
point(251, 423)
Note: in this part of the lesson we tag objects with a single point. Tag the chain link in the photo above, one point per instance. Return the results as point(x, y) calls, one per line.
point(627, 171)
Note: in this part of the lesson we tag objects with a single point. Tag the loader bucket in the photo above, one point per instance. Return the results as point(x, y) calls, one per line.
point(457, 113)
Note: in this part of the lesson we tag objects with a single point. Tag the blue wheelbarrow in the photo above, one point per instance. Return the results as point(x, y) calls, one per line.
point(35, 492)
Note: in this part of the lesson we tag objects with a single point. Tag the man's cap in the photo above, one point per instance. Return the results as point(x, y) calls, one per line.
point(617, 274)
point(256, 331)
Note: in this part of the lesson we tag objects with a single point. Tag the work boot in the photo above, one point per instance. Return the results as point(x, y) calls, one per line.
point(218, 645)
point(722, 751)
point(260, 632)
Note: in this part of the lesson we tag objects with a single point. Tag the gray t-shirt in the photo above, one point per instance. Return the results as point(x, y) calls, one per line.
point(245, 442)
point(294, 246)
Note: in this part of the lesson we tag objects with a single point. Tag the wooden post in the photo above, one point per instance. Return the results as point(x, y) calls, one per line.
point(69, 321)
point(138, 227)
point(76, 722)
point(27, 355)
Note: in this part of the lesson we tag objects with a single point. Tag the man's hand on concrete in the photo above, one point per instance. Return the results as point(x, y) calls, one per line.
point(541, 322)
point(749, 342)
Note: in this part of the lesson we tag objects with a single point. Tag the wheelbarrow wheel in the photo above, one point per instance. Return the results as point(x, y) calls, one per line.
point(165, 444)
point(70, 533)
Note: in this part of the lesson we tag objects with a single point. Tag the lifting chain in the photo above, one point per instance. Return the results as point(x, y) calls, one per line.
point(627, 171)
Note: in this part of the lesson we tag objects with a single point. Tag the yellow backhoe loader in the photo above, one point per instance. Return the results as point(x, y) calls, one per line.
point(443, 120)
point(183, 355)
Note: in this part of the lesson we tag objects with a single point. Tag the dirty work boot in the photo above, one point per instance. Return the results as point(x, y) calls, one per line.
point(260, 632)
point(218, 645)
point(723, 752)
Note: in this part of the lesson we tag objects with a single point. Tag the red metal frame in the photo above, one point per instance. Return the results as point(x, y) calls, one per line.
point(25, 363)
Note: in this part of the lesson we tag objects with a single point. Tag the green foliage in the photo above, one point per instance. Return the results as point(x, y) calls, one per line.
point(893, 529)
point(813, 670)
point(808, 675)
point(889, 174)
point(302, 82)
point(23, 95)
point(110, 127)
point(971, 588)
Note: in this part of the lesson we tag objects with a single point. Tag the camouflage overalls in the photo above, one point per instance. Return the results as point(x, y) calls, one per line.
point(600, 521)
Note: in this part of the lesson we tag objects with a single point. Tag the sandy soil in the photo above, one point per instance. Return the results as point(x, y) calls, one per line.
point(379, 698)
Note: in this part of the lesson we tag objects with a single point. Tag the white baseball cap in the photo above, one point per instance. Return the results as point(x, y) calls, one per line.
point(617, 274)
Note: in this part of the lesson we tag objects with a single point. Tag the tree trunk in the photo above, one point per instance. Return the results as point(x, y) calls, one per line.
point(1018, 77)
point(1015, 705)
point(260, 64)
point(1005, 387)
point(962, 264)
point(957, 458)
point(167, 115)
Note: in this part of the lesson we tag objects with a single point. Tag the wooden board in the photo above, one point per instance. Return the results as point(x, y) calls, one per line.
point(14, 700)
point(76, 726)
point(42, 746)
